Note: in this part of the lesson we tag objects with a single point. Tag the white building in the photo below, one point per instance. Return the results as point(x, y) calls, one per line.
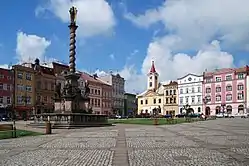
point(190, 92)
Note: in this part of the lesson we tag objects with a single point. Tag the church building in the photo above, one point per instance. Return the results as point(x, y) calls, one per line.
point(153, 97)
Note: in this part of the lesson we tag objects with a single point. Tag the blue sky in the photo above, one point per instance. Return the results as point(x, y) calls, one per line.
point(126, 35)
point(91, 52)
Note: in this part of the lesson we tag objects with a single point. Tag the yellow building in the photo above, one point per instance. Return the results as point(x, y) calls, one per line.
point(153, 97)
point(24, 93)
point(171, 98)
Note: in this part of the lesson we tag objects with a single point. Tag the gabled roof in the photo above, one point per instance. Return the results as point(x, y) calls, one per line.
point(189, 74)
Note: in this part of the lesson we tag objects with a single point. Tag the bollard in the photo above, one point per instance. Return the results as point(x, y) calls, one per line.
point(155, 121)
point(48, 128)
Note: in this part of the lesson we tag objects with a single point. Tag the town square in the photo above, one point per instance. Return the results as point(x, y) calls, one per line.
point(216, 142)
point(77, 92)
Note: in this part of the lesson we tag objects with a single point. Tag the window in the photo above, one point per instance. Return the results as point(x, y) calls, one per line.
point(28, 88)
point(229, 77)
point(218, 98)
point(155, 77)
point(1, 76)
point(208, 98)
point(45, 98)
point(28, 76)
point(170, 92)
point(218, 89)
point(19, 100)
point(240, 96)
point(150, 77)
point(192, 99)
point(199, 89)
point(19, 75)
point(8, 87)
point(166, 99)
point(186, 99)
point(28, 100)
point(98, 92)
point(1, 99)
point(181, 91)
point(240, 87)
point(19, 87)
point(228, 97)
point(8, 77)
point(8, 100)
point(159, 100)
point(1, 86)
point(208, 80)
point(186, 90)
point(181, 100)
point(141, 102)
point(146, 101)
point(174, 92)
point(154, 101)
point(167, 92)
point(240, 76)
point(174, 100)
point(208, 90)
point(193, 89)
point(198, 99)
point(229, 88)
point(150, 84)
point(218, 79)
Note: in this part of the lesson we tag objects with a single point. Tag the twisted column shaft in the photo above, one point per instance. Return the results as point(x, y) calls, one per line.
point(72, 47)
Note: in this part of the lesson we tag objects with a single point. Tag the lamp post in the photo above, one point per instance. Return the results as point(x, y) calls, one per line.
point(223, 108)
point(205, 101)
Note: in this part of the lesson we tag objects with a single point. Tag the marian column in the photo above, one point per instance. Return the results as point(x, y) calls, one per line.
point(72, 27)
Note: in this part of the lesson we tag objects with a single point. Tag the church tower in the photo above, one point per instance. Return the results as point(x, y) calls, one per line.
point(152, 82)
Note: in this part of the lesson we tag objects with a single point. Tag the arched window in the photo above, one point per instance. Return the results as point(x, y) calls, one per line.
point(229, 109)
point(241, 109)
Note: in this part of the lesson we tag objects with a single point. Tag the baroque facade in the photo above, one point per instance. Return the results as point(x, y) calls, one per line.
point(152, 98)
point(226, 91)
point(171, 98)
point(190, 93)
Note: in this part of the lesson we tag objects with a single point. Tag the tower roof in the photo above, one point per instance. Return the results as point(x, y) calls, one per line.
point(153, 69)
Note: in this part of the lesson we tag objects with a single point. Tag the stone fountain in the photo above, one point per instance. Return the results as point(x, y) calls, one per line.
point(71, 107)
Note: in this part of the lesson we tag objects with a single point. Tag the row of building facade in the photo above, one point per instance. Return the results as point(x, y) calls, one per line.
point(219, 91)
point(30, 89)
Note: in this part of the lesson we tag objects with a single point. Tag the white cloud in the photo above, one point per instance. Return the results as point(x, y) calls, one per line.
point(94, 16)
point(172, 66)
point(200, 21)
point(112, 56)
point(191, 25)
point(30, 47)
point(4, 66)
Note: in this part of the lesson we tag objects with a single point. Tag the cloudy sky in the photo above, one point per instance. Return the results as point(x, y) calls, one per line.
point(181, 36)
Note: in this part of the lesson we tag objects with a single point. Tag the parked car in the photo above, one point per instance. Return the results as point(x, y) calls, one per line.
point(4, 118)
point(228, 115)
point(220, 115)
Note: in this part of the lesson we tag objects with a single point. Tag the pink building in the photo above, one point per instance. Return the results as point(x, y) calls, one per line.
point(100, 94)
point(224, 90)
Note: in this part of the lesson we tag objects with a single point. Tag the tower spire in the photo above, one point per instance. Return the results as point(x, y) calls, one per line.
point(153, 69)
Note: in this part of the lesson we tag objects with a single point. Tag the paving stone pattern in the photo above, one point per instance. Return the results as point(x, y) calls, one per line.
point(222, 142)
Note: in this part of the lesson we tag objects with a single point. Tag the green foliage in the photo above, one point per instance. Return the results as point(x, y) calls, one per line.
point(19, 133)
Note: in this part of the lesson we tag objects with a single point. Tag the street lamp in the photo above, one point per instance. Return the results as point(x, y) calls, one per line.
point(205, 101)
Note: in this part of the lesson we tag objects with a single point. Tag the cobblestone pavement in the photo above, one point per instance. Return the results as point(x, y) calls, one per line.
point(222, 142)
